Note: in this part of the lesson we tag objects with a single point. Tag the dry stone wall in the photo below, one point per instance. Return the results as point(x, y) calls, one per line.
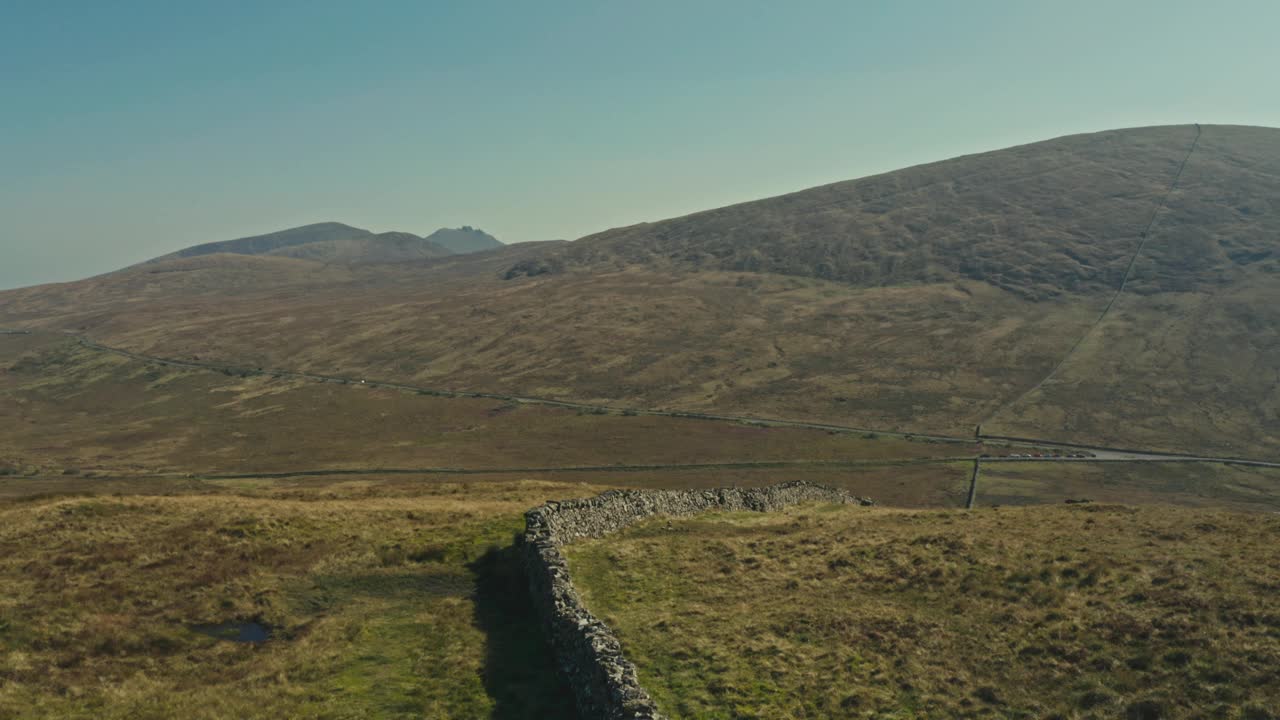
point(587, 651)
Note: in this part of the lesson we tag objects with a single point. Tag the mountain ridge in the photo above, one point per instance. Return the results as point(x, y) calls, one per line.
point(999, 323)
point(338, 242)
point(272, 241)
point(992, 217)
point(388, 247)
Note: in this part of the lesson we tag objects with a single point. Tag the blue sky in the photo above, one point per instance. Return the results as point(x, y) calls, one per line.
point(130, 129)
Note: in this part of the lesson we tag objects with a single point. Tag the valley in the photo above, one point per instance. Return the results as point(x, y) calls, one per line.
point(329, 435)
point(938, 350)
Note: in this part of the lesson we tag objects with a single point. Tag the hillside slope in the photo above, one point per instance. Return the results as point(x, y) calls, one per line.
point(322, 242)
point(272, 242)
point(931, 299)
point(1195, 336)
point(385, 247)
point(1040, 220)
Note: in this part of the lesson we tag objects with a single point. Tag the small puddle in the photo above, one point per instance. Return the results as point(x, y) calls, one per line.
point(242, 632)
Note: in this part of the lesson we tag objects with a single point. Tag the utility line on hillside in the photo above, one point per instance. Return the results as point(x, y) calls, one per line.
point(1128, 272)
point(972, 499)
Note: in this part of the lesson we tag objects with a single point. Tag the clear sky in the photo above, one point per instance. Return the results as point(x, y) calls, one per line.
point(132, 128)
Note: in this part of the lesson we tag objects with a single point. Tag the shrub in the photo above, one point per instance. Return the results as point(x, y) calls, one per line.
point(391, 555)
point(429, 553)
point(1146, 710)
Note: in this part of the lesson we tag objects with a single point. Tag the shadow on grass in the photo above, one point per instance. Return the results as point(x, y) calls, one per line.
point(520, 673)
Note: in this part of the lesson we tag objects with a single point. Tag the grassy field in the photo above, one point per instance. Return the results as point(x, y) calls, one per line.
point(384, 600)
point(1206, 485)
point(922, 358)
point(72, 408)
point(1082, 611)
point(1157, 370)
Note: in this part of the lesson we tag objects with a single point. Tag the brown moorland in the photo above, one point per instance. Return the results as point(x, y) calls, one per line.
point(929, 299)
point(71, 409)
point(1203, 485)
point(74, 412)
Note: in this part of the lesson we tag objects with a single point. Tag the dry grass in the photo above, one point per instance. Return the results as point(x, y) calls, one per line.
point(1090, 611)
point(927, 358)
point(1205, 485)
point(923, 300)
point(68, 407)
point(1169, 371)
point(384, 602)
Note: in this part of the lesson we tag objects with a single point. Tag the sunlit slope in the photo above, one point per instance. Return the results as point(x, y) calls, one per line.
point(267, 243)
point(910, 358)
point(1040, 220)
point(929, 299)
point(388, 247)
point(68, 410)
point(328, 242)
point(1190, 352)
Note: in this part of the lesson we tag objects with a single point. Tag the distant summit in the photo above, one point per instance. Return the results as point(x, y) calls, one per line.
point(273, 242)
point(340, 243)
point(465, 239)
point(388, 247)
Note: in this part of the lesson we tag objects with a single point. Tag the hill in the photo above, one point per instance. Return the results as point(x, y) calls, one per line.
point(339, 243)
point(465, 239)
point(1059, 217)
point(982, 289)
point(272, 242)
point(388, 247)
point(1068, 219)
point(323, 242)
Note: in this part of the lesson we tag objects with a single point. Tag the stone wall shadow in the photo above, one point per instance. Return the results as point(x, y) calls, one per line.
point(520, 672)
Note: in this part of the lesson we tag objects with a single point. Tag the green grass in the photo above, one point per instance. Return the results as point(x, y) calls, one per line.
point(401, 604)
point(1052, 611)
